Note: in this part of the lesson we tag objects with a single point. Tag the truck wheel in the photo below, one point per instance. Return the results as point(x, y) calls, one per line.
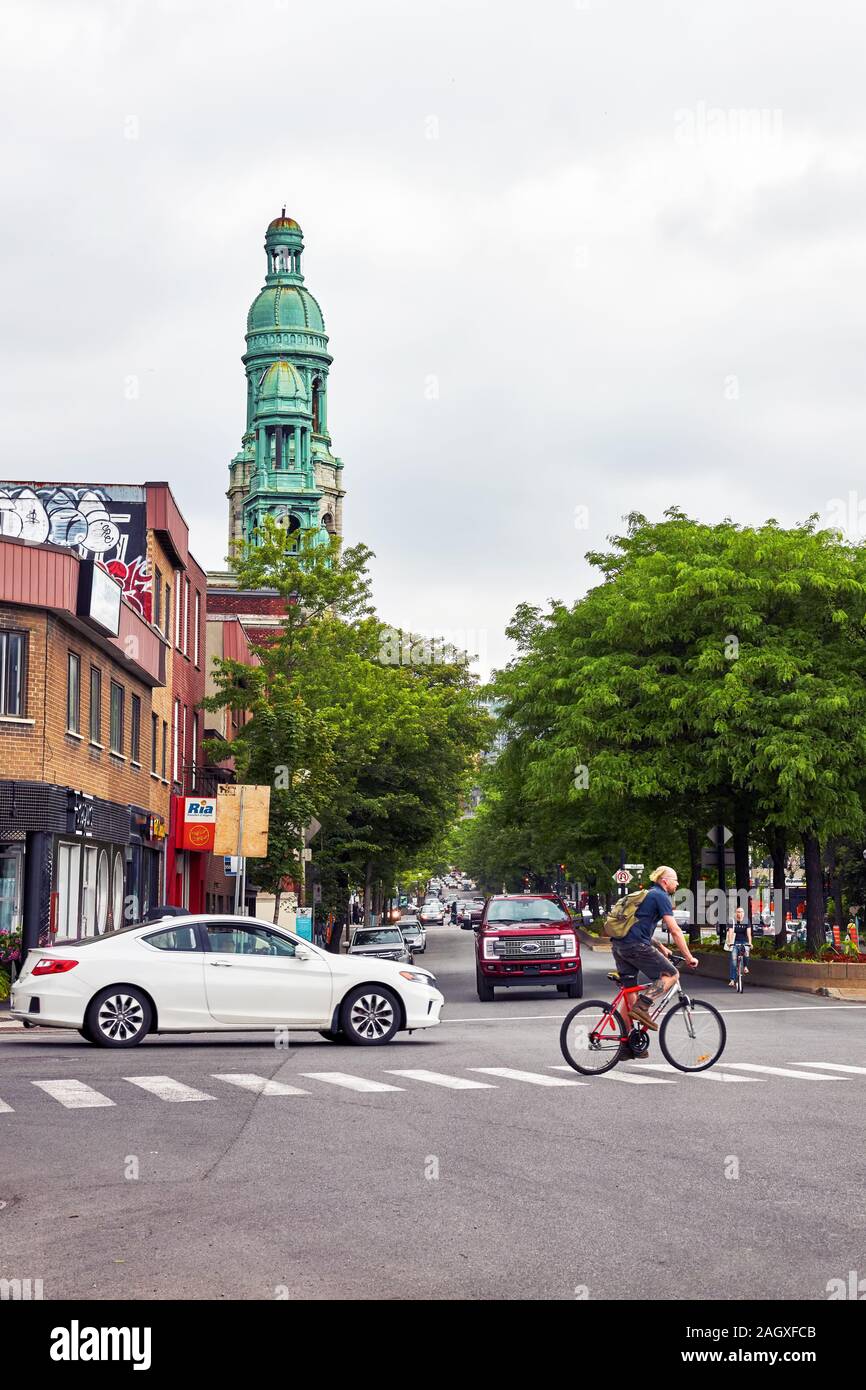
point(575, 989)
point(484, 988)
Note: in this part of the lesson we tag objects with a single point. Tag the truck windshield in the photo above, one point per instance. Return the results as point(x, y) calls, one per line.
point(527, 910)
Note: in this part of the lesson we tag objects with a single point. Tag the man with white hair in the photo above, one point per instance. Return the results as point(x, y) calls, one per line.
point(636, 952)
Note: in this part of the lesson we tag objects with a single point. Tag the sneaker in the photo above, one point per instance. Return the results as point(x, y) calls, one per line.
point(641, 1011)
point(732, 984)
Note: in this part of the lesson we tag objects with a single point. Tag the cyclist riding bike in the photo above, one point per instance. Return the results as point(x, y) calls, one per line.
point(636, 952)
point(740, 943)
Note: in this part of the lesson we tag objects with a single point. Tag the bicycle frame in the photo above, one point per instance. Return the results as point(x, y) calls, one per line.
point(676, 991)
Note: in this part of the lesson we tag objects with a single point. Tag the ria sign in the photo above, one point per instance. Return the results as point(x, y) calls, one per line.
point(196, 822)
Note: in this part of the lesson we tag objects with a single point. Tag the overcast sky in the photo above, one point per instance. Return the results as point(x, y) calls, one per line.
point(575, 258)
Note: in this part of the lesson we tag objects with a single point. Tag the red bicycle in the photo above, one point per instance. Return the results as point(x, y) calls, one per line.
point(692, 1034)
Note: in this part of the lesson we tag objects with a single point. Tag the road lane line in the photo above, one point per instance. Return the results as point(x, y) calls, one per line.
point(834, 1066)
point(438, 1078)
point(781, 1071)
point(711, 1075)
point(761, 1009)
point(166, 1088)
point(262, 1085)
point(535, 1078)
point(352, 1083)
point(6, 1109)
point(73, 1095)
point(629, 1077)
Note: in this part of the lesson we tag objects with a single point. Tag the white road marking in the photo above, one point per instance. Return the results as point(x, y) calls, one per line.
point(262, 1085)
point(629, 1077)
point(768, 1009)
point(834, 1066)
point(781, 1071)
point(166, 1088)
point(711, 1075)
point(74, 1095)
point(535, 1078)
point(438, 1078)
point(352, 1083)
point(6, 1109)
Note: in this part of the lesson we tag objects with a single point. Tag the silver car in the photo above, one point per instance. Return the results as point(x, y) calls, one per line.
point(413, 934)
point(386, 943)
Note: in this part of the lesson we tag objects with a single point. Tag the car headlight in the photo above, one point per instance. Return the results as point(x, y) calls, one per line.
point(419, 977)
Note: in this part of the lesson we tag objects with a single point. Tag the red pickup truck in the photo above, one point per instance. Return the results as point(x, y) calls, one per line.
point(526, 939)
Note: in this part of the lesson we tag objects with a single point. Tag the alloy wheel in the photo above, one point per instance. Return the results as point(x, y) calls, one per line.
point(120, 1017)
point(372, 1016)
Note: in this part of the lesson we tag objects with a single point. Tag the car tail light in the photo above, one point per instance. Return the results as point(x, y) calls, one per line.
point(49, 966)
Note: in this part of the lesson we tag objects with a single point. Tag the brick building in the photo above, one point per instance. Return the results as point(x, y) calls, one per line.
point(83, 826)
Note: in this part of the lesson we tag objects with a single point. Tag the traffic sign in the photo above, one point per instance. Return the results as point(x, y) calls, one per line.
point(637, 868)
point(622, 876)
point(710, 859)
point(713, 834)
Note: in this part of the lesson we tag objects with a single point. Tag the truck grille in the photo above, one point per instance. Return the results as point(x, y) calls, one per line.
point(540, 948)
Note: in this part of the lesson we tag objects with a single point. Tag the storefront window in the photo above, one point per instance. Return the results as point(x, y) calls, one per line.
point(10, 892)
point(88, 893)
point(102, 892)
point(117, 893)
point(68, 873)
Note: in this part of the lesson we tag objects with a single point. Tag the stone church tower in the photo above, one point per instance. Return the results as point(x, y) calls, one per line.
point(285, 467)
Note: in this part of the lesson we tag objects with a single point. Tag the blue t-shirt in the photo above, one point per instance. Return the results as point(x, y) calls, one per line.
point(656, 905)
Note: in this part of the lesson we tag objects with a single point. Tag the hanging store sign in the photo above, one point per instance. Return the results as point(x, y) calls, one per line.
point(196, 822)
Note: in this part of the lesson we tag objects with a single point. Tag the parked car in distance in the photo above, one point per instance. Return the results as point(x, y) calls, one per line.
point(385, 942)
point(413, 933)
point(219, 974)
point(527, 940)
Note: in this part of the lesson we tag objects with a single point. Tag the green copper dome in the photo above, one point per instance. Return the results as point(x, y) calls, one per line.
point(282, 385)
point(284, 306)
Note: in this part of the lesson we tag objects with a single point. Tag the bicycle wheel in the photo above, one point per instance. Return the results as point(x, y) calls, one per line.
point(592, 1037)
point(693, 1035)
point(740, 975)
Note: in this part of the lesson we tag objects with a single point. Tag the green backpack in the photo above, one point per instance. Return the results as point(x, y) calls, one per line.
point(621, 918)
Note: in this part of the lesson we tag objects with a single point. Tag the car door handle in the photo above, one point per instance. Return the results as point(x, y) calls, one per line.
point(223, 964)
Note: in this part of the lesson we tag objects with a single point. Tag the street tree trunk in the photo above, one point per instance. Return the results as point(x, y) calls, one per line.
point(368, 892)
point(779, 852)
point(741, 852)
point(277, 896)
point(694, 879)
point(814, 892)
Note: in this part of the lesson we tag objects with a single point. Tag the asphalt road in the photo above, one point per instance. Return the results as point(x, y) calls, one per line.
point(736, 1184)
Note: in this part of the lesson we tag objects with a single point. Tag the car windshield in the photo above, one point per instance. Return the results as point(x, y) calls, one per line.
point(380, 936)
point(526, 910)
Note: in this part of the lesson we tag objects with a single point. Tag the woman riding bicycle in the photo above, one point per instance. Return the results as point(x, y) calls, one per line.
point(740, 943)
point(637, 952)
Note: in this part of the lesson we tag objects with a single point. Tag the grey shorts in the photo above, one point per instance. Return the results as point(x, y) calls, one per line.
point(639, 956)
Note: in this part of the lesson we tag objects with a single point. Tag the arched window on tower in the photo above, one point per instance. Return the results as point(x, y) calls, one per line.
point(317, 408)
point(328, 523)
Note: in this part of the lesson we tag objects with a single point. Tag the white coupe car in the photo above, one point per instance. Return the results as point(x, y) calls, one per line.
point(218, 974)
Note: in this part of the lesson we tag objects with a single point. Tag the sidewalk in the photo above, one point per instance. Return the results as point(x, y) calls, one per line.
point(7, 1024)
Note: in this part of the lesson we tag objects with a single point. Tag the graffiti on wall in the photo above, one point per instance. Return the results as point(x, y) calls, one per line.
point(105, 523)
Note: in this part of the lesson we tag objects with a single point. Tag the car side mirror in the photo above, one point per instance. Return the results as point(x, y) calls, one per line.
point(302, 954)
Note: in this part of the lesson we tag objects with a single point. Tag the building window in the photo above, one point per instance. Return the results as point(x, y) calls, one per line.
point(95, 704)
point(178, 606)
point(183, 748)
point(12, 650)
point(157, 599)
point(175, 740)
point(196, 638)
point(167, 628)
point(154, 741)
point(135, 729)
point(194, 751)
point(73, 694)
point(164, 743)
point(116, 733)
point(186, 617)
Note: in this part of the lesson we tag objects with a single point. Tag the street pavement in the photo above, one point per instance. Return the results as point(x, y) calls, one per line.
point(466, 1161)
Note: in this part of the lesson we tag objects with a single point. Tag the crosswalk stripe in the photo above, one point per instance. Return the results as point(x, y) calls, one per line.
point(73, 1095)
point(166, 1088)
point(352, 1083)
point(6, 1109)
point(711, 1075)
point(262, 1085)
point(630, 1078)
point(534, 1078)
point(781, 1071)
point(834, 1066)
point(438, 1078)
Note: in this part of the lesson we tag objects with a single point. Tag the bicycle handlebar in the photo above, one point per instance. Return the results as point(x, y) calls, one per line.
point(679, 961)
